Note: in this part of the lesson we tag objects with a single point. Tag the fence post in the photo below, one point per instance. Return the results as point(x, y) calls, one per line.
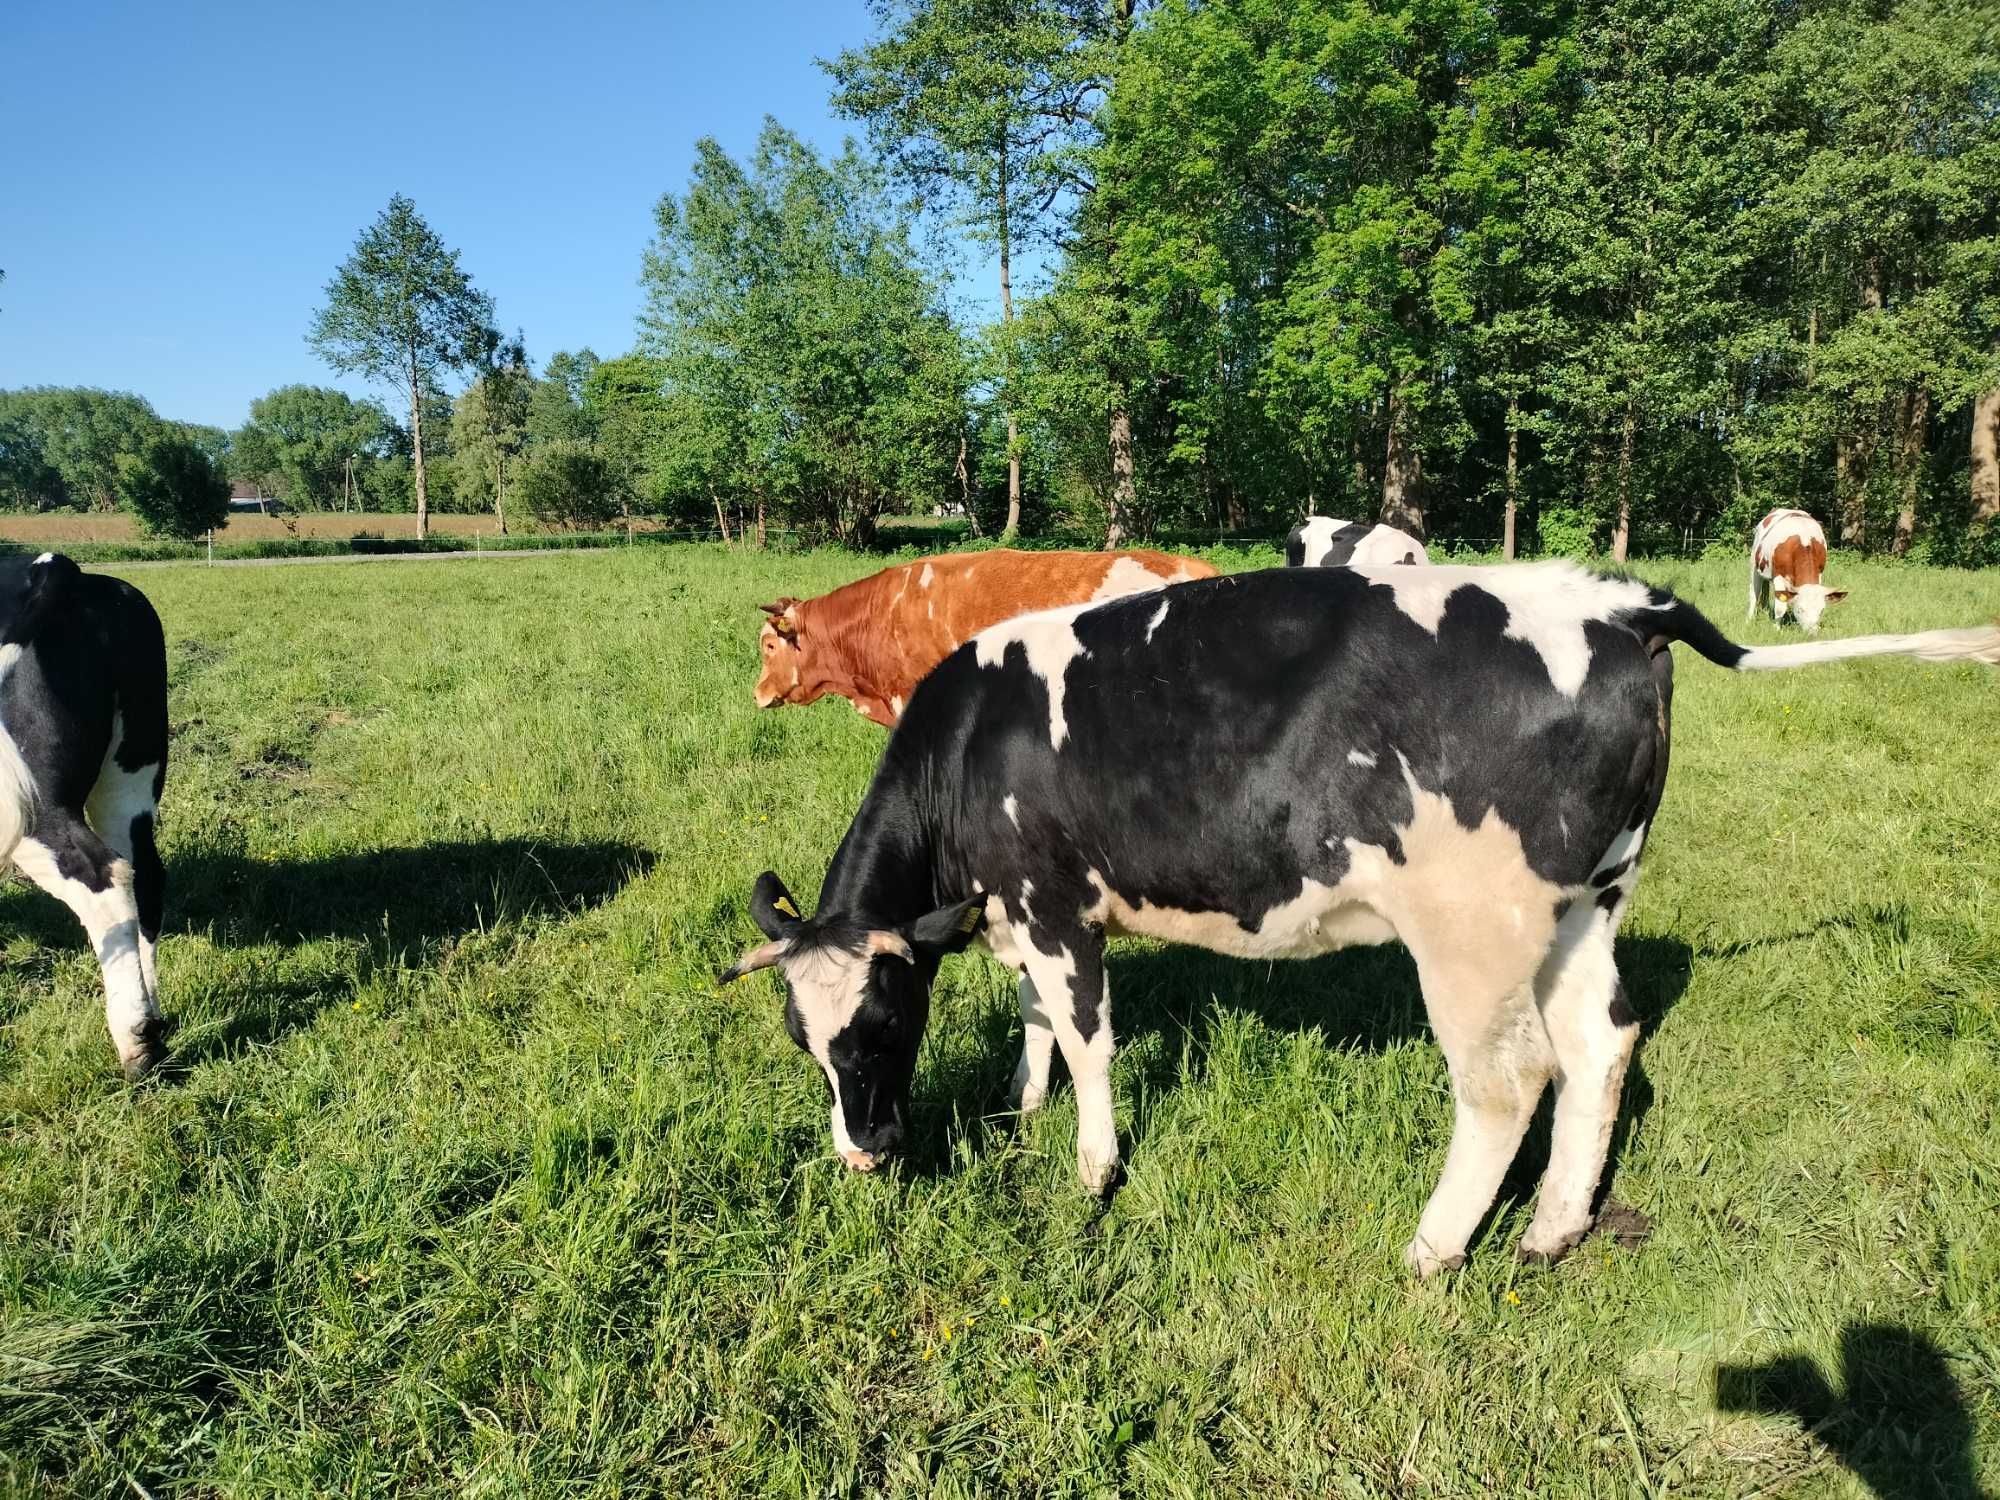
point(211, 544)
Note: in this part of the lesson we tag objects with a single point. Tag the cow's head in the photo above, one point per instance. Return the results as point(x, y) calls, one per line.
point(1806, 603)
point(779, 674)
point(857, 997)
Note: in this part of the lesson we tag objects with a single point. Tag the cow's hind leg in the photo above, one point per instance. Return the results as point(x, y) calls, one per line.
point(1592, 1029)
point(1500, 1061)
point(1076, 1001)
point(124, 809)
point(66, 859)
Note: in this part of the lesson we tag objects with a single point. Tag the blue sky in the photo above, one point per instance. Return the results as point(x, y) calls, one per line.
point(179, 182)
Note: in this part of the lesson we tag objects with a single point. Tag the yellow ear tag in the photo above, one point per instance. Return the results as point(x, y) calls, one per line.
point(784, 904)
point(970, 920)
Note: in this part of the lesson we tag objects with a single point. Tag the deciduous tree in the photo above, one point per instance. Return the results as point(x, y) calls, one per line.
point(401, 310)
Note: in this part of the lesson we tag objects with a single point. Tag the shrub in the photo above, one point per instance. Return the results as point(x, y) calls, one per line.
point(892, 532)
point(171, 486)
point(568, 485)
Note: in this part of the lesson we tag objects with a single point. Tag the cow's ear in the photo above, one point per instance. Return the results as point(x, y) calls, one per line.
point(780, 611)
point(1834, 596)
point(772, 908)
point(950, 928)
point(1779, 593)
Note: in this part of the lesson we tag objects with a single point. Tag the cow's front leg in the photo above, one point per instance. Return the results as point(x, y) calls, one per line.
point(1038, 1046)
point(1076, 999)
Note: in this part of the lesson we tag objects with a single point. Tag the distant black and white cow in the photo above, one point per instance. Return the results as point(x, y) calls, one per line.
point(1323, 542)
point(1280, 764)
point(83, 758)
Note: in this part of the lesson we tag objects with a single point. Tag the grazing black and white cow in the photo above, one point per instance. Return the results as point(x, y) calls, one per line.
point(1280, 764)
point(1323, 542)
point(83, 758)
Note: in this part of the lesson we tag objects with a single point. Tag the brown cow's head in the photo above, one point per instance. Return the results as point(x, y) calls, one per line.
point(780, 671)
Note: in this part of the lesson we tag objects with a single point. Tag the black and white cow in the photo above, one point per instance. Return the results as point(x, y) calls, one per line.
point(1280, 764)
point(83, 758)
point(1323, 542)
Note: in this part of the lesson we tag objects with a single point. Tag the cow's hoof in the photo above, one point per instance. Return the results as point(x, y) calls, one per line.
point(1101, 1179)
point(1546, 1249)
point(145, 1062)
point(859, 1161)
point(1026, 1101)
point(151, 1050)
point(1426, 1265)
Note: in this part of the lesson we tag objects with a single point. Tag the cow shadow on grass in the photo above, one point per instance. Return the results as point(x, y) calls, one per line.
point(1167, 1003)
point(400, 903)
point(401, 897)
point(1897, 1419)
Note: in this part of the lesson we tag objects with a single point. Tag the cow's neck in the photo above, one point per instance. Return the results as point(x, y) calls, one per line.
point(830, 662)
point(884, 873)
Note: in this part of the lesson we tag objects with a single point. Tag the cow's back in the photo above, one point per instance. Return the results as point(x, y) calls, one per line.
point(1791, 545)
point(1267, 719)
point(938, 604)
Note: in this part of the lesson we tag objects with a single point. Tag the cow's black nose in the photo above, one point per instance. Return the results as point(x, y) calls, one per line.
point(887, 1140)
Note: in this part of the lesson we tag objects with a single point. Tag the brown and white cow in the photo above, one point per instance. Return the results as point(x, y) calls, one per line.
point(873, 641)
point(1787, 561)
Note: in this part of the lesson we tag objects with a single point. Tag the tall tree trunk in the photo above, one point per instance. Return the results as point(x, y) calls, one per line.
point(1621, 534)
point(1910, 460)
point(1986, 456)
point(1854, 457)
point(417, 458)
point(1124, 489)
point(1854, 452)
point(1124, 483)
point(500, 491)
point(1402, 471)
point(1007, 369)
point(1513, 469)
point(721, 519)
point(761, 535)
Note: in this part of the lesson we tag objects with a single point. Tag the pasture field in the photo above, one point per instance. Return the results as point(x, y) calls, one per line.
point(469, 1181)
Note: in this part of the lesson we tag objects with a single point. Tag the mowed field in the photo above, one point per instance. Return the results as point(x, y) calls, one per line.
point(469, 1181)
point(54, 528)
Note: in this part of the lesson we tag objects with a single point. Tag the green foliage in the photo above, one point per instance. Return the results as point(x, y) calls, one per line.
point(1639, 247)
point(557, 412)
point(400, 308)
point(401, 311)
point(489, 425)
point(570, 486)
point(300, 440)
point(806, 359)
point(171, 486)
point(60, 445)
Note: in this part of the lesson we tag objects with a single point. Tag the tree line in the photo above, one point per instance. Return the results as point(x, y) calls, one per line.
point(1578, 275)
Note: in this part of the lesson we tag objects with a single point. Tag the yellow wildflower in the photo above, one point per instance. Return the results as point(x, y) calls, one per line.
point(1514, 1299)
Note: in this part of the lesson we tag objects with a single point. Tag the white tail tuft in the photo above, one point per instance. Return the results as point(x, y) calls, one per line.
point(17, 786)
point(1975, 643)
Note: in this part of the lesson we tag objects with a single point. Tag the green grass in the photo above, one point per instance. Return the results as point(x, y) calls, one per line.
point(471, 1182)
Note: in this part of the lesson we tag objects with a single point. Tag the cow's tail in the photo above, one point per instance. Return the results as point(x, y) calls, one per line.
point(48, 580)
point(1669, 619)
